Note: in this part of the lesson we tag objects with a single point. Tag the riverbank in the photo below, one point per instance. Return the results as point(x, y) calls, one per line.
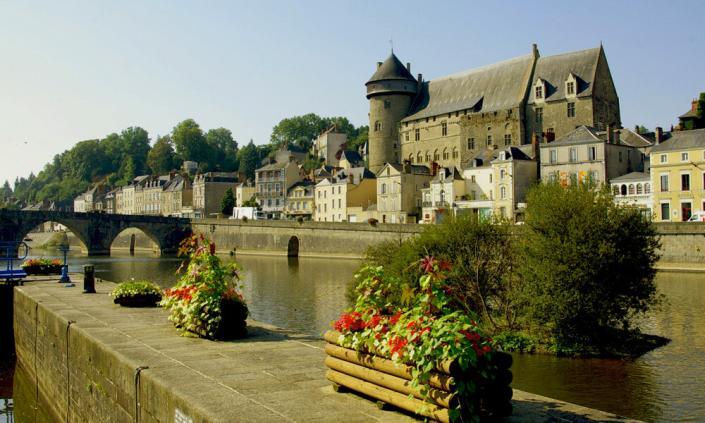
point(97, 349)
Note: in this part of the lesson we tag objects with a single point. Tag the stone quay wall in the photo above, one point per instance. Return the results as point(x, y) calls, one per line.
point(682, 242)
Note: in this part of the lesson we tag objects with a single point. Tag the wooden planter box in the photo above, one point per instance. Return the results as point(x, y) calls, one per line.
point(390, 383)
point(49, 269)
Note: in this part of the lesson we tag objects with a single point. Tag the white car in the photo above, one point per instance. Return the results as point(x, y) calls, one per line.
point(698, 216)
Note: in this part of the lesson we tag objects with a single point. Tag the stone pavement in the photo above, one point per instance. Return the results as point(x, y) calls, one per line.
point(272, 375)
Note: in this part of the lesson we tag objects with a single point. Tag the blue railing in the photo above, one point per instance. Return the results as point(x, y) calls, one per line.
point(11, 251)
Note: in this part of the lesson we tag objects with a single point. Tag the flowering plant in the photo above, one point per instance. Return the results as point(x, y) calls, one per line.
point(424, 334)
point(136, 294)
point(206, 300)
point(41, 266)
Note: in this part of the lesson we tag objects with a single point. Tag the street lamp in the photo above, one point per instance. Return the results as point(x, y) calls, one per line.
point(64, 248)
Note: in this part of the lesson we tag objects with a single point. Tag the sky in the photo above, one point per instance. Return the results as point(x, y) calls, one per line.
point(77, 70)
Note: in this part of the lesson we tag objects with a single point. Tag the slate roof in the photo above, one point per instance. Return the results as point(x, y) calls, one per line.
point(515, 153)
point(554, 70)
point(689, 114)
point(632, 139)
point(446, 173)
point(413, 169)
point(631, 177)
point(351, 156)
point(498, 86)
point(175, 184)
point(357, 173)
point(580, 135)
point(274, 166)
point(392, 68)
point(682, 140)
point(484, 157)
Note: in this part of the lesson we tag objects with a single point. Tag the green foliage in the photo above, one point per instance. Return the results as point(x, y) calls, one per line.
point(423, 333)
point(224, 150)
point(587, 265)
point(312, 163)
point(248, 158)
point(190, 142)
point(227, 203)
point(196, 303)
point(252, 202)
point(700, 110)
point(516, 342)
point(161, 159)
point(302, 130)
point(481, 280)
point(133, 289)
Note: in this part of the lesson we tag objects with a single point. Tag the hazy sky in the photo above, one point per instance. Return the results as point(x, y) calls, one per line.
point(71, 70)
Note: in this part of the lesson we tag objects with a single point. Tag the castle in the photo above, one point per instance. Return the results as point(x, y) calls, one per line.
point(450, 120)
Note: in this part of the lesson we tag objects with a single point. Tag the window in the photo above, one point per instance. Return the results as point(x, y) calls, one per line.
point(446, 155)
point(384, 188)
point(378, 126)
point(539, 114)
point(490, 178)
point(685, 182)
point(686, 211)
point(539, 91)
point(419, 157)
point(615, 190)
point(503, 193)
point(489, 140)
point(406, 136)
point(444, 128)
point(471, 143)
point(664, 183)
point(573, 155)
point(647, 188)
point(639, 189)
point(570, 88)
point(387, 104)
point(664, 158)
point(338, 202)
point(684, 157)
point(339, 189)
point(592, 153)
point(436, 155)
point(554, 156)
point(473, 195)
point(620, 157)
point(417, 134)
point(455, 153)
point(665, 211)
point(428, 157)
point(501, 174)
point(507, 139)
point(630, 190)
point(571, 109)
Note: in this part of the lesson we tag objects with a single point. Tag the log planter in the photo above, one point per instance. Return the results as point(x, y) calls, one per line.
point(390, 383)
point(43, 269)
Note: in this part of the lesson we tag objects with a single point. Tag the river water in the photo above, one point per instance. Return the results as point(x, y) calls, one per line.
point(305, 295)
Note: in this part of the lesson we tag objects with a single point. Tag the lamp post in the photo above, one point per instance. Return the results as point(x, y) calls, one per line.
point(64, 248)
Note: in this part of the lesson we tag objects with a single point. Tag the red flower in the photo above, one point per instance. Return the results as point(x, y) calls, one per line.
point(374, 321)
point(396, 344)
point(394, 319)
point(349, 322)
point(427, 264)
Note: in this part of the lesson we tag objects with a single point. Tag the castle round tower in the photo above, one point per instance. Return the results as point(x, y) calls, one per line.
point(391, 91)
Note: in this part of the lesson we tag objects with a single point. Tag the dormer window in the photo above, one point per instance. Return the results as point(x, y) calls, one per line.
point(571, 85)
point(539, 92)
point(570, 88)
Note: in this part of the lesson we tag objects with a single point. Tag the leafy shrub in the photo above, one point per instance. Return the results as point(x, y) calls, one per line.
point(206, 300)
point(587, 265)
point(42, 266)
point(137, 294)
point(516, 342)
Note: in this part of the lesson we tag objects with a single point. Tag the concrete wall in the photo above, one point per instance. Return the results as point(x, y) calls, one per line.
point(325, 239)
point(682, 242)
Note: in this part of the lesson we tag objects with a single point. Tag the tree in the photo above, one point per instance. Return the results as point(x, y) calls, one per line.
point(227, 203)
point(641, 129)
point(700, 110)
point(248, 158)
point(587, 265)
point(223, 149)
point(190, 142)
point(135, 144)
point(299, 130)
point(6, 191)
point(162, 158)
point(358, 140)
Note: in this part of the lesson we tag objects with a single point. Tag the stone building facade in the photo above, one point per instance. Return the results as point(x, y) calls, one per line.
point(450, 120)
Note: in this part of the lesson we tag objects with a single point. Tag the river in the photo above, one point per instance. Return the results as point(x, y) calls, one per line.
point(305, 295)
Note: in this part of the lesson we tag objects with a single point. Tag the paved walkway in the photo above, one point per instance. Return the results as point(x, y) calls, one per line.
point(273, 375)
point(680, 267)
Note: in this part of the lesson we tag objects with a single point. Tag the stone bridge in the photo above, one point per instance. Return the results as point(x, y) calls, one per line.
point(97, 230)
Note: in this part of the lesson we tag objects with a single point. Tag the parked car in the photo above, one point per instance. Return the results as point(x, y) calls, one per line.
point(698, 216)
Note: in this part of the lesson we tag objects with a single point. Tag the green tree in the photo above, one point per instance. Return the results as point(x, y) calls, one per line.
point(6, 191)
point(299, 130)
point(162, 158)
point(223, 148)
point(248, 159)
point(587, 264)
point(135, 144)
point(700, 110)
point(227, 203)
point(359, 139)
point(190, 142)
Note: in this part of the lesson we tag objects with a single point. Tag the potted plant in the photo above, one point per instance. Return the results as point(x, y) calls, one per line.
point(424, 358)
point(206, 299)
point(372, 221)
point(42, 266)
point(137, 294)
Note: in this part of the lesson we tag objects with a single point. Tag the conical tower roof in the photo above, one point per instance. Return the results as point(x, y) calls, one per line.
point(392, 68)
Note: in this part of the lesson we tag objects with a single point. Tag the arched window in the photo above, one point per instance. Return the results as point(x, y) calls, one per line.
point(428, 156)
point(419, 158)
point(503, 193)
point(639, 189)
point(623, 190)
point(615, 190)
point(631, 189)
point(647, 188)
point(455, 152)
point(436, 155)
point(411, 158)
point(384, 188)
point(378, 126)
point(446, 155)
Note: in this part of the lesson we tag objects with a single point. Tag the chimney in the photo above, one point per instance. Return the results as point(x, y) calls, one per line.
point(407, 166)
point(408, 66)
point(658, 134)
point(694, 106)
point(636, 128)
point(434, 168)
point(379, 64)
point(535, 50)
point(616, 136)
point(609, 133)
point(535, 144)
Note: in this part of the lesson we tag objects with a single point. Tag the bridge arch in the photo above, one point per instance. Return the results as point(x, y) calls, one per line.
point(27, 227)
point(292, 249)
point(134, 238)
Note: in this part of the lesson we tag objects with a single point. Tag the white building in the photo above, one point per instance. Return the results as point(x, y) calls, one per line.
point(634, 189)
point(399, 192)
